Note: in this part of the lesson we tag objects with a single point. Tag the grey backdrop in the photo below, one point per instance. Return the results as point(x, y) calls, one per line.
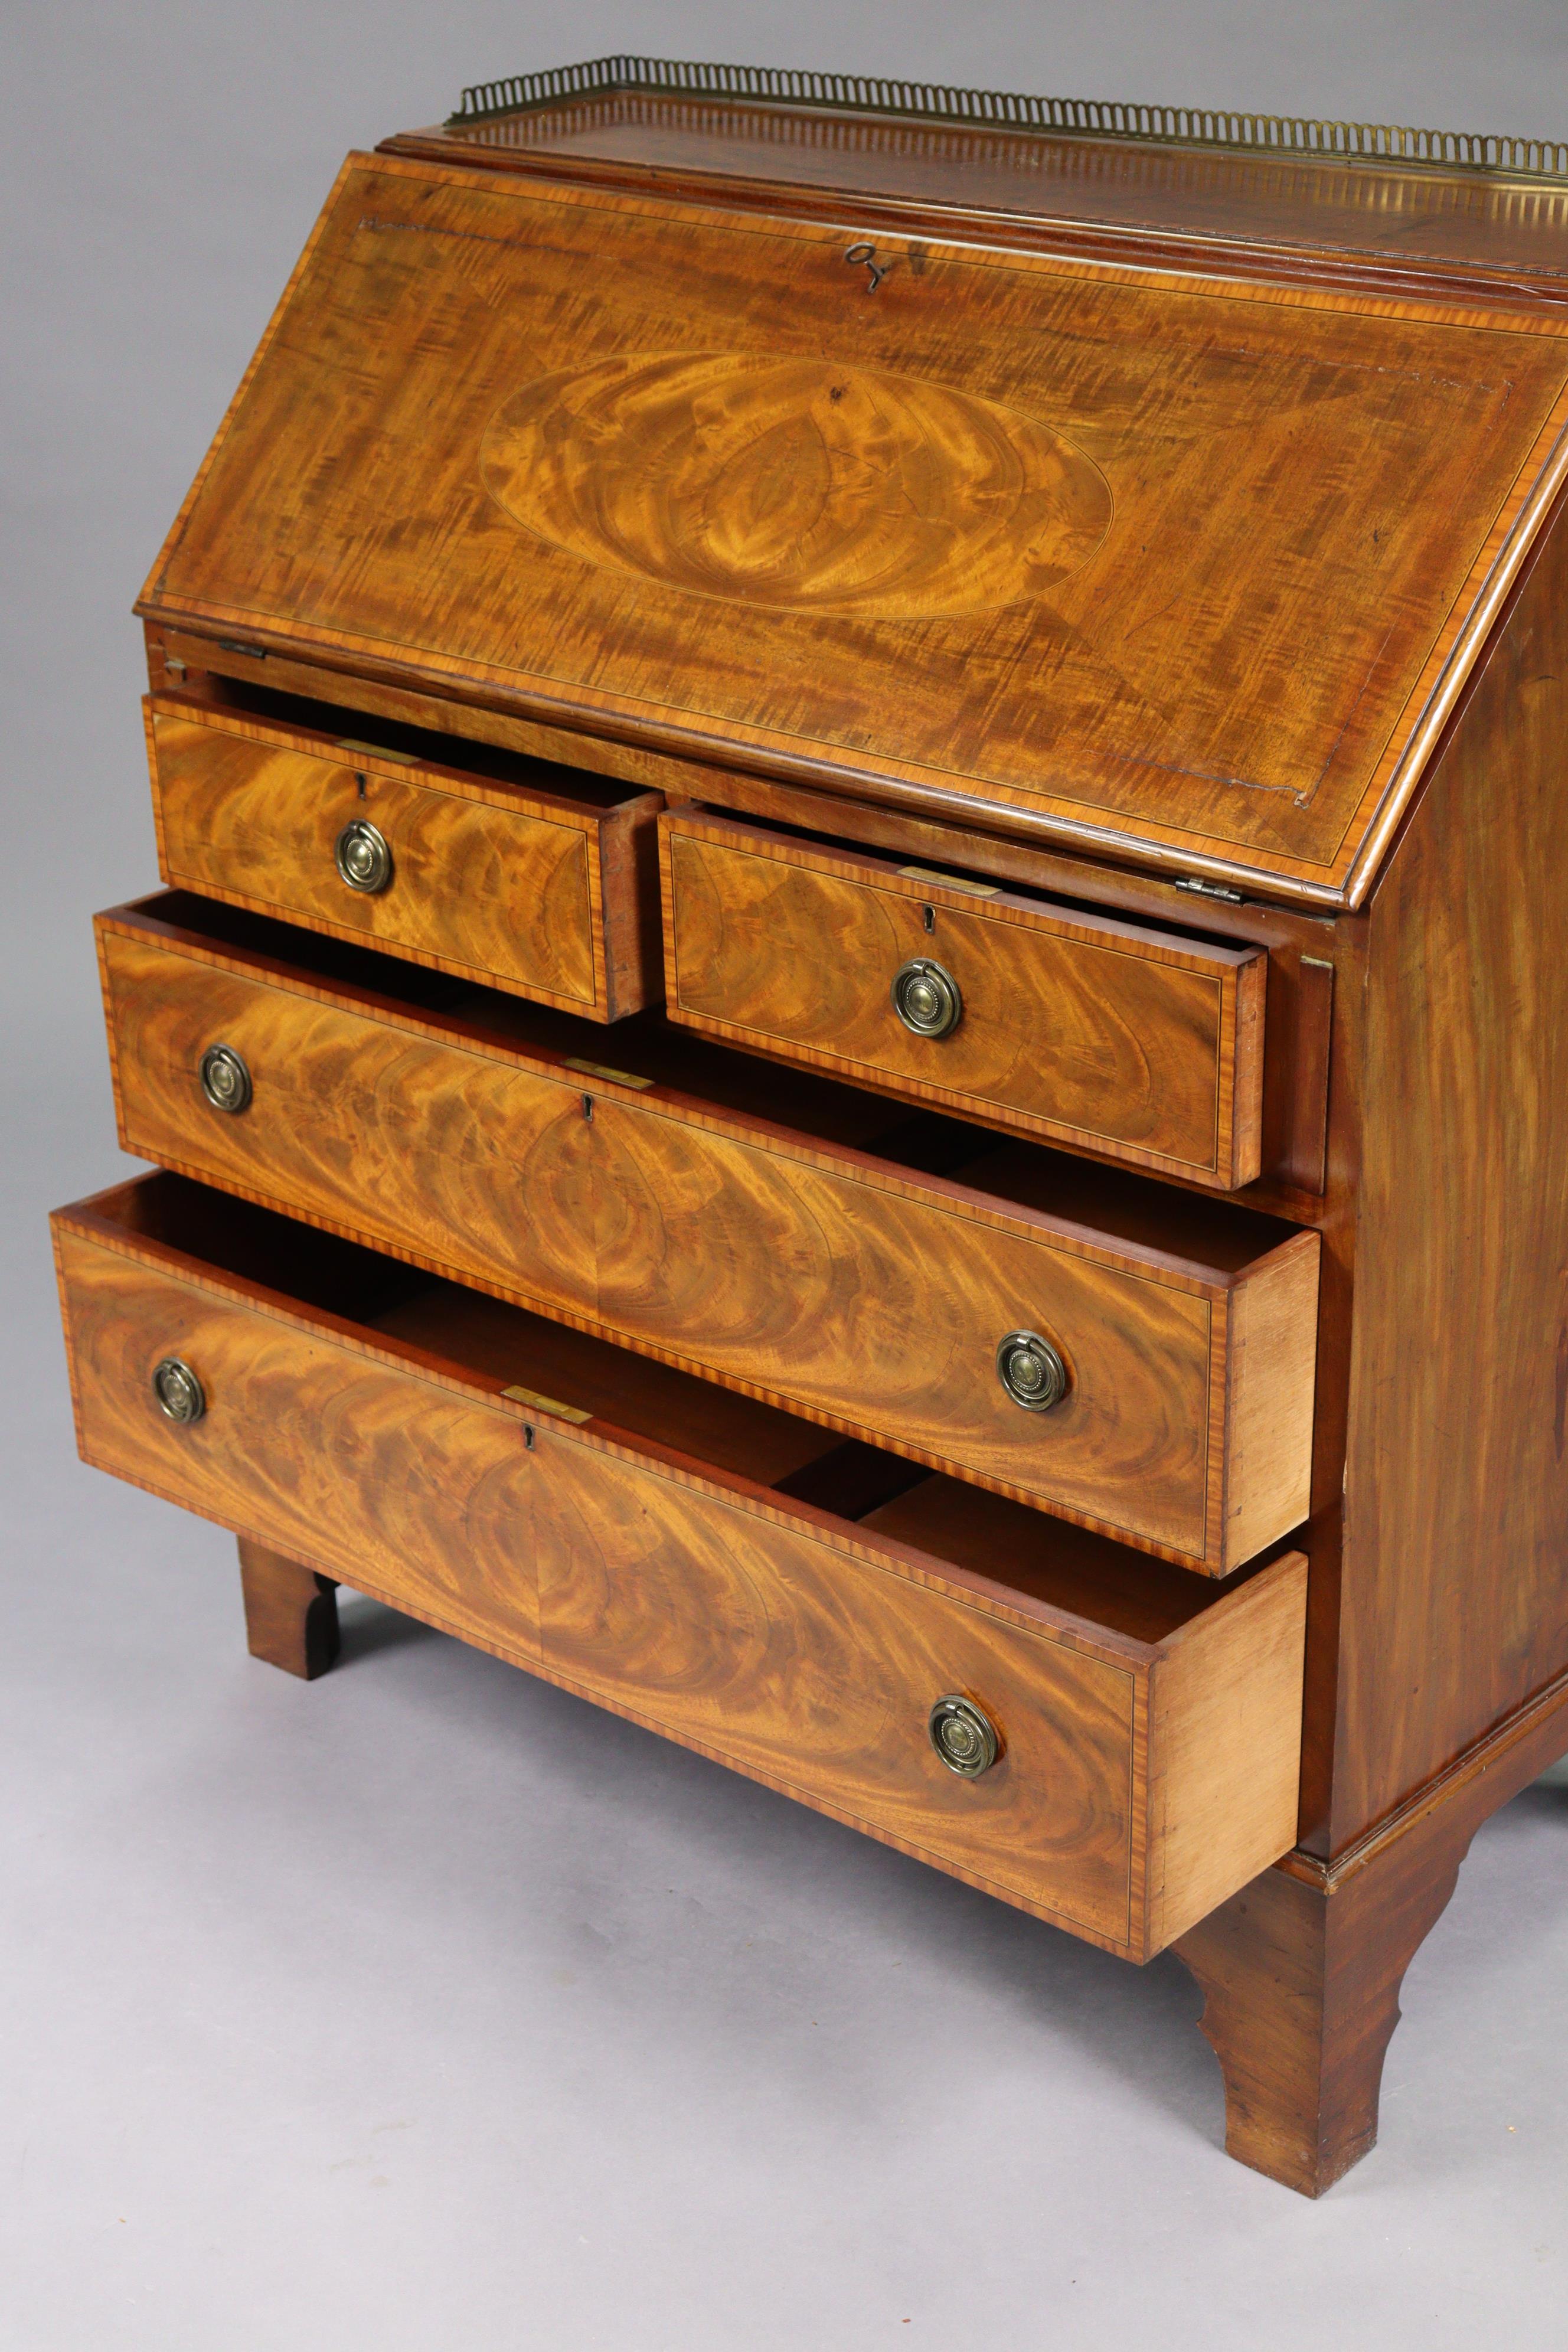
point(428, 2007)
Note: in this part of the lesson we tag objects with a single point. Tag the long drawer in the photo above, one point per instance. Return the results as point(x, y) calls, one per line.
point(1134, 1358)
point(1052, 1019)
point(509, 870)
point(815, 1615)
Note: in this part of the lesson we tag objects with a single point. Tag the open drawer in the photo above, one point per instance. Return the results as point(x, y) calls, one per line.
point(527, 876)
point(1136, 1357)
point(794, 1606)
point(1051, 1020)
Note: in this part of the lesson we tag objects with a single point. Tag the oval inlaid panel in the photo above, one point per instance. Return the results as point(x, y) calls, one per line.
point(796, 483)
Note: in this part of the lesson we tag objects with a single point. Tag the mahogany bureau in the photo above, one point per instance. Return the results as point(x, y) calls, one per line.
point(858, 1037)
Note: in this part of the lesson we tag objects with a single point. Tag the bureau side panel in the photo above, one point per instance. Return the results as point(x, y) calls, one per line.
point(1455, 1604)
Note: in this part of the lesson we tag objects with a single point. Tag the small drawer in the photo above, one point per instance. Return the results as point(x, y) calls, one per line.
point(718, 1570)
point(469, 870)
point(1046, 1019)
point(1127, 1354)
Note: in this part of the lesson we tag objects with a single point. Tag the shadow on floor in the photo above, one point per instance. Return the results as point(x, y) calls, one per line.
point(368, 1628)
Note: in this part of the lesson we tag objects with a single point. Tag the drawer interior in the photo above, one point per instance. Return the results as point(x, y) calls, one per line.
point(1216, 1238)
point(347, 729)
point(492, 1345)
point(949, 873)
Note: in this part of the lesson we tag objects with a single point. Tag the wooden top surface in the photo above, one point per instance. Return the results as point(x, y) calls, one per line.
point(1187, 564)
point(1381, 211)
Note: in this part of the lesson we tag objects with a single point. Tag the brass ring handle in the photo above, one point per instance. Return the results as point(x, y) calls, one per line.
point(362, 855)
point(1032, 1370)
point(179, 1394)
point(927, 999)
point(225, 1081)
point(963, 1735)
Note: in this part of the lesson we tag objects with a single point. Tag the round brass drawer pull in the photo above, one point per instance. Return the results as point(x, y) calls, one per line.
point(362, 855)
point(179, 1393)
point(963, 1737)
point(926, 998)
point(225, 1081)
point(1031, 1371)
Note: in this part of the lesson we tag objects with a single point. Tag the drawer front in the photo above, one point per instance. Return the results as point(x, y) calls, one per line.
point(782, 1643)
point(460, 1158)
point(1064, 1024)
point(531, 893)
point(831, 1284)
point(404, 1487)
point(816, 1671)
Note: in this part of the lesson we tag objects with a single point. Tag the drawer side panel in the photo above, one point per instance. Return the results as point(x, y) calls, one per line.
point(1227, 1748)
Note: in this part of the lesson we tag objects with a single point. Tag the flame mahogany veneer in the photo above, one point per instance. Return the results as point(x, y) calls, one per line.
point(1073, 635)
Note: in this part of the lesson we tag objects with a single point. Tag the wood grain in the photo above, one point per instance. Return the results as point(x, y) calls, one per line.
point(527, 891)
point(761, 1643)
point(1455, 1595)
point(1104, 565)
point(866, 1297)
point(331, 1457)
point(180, 657)
point(590, 1377)
point(1076, 1027)
point(1301, 1998)
point(1273, 1341)
point(1226, 1737)
point(1303, 950)
point(1251, 667)
point(762, 486)
point(792, 1647)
